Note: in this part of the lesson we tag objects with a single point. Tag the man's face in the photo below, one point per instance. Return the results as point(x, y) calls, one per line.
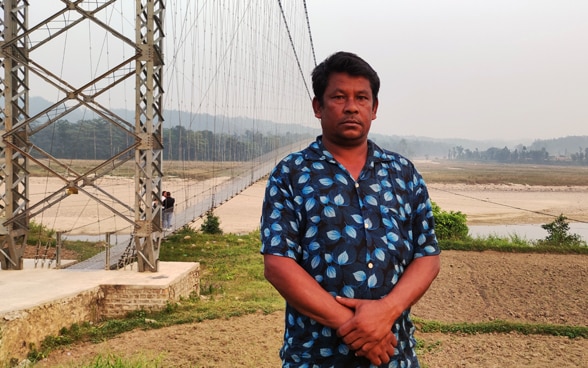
point(347, 111)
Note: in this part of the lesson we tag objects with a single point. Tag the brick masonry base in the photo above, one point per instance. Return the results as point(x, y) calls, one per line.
point(24, 329)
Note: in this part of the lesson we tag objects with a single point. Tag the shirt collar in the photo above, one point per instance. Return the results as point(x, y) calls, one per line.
point(318, 152)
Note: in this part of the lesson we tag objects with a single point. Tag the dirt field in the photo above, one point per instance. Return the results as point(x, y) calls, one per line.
point(471, 287)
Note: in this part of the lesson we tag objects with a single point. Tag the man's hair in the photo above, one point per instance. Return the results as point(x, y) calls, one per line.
point(343, 62)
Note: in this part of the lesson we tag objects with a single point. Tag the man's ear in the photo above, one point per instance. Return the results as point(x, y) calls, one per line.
point(375, 109)
point(316, 107)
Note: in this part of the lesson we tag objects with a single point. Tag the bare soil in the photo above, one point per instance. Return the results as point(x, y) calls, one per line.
point(47, 253)
point(472, 287)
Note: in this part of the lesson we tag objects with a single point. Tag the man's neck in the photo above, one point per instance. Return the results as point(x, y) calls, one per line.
point(352, 157)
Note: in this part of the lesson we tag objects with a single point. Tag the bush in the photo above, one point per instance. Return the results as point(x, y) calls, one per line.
point(450, 225)
point(558, 234)
point(39, 233)
point(211, 224)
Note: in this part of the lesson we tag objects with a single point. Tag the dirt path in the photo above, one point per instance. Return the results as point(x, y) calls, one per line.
point(471, 287)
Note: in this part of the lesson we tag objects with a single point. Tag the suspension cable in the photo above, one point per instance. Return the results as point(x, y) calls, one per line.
point(294, 49)
point(507, 205)
point(309, 32)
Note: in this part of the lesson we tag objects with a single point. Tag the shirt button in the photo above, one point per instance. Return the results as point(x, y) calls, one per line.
point(357, 185)
point(370, 265)
point(366, 225)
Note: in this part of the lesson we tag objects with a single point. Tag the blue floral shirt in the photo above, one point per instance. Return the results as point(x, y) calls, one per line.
point(355, 237)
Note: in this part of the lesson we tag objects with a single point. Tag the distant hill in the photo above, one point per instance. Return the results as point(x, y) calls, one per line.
point(190, 121)
point(432, 148)
point(410, 146)
point(564, 146)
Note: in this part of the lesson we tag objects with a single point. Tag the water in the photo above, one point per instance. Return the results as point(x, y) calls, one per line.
point(529, 231)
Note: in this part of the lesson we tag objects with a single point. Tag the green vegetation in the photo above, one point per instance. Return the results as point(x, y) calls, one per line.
point(513, 244)
point(558, 234)
point(498, 326)
point(45, 241)
point(465, 172)
point(113, 361)
point(232, 284)
point(537, 153)
point(211, 224)
point(453, 234)
point(450, 225)
point(83, 249)
point(85, 139)
point(199, 170)
point(40, 234)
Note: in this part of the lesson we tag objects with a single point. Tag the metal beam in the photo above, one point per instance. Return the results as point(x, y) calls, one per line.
point(14, 176)
point(16, 151)
point(148, 126)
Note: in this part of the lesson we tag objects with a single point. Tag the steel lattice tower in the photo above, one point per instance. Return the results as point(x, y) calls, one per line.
point(16, 126)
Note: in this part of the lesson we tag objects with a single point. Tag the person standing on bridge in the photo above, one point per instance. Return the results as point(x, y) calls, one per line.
point(168, 210)
point(347, 233)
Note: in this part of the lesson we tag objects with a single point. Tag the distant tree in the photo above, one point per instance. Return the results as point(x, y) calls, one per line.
point(459, 152)
point(558, 233)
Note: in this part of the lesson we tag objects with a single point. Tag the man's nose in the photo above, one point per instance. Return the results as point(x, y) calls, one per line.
point(351, 106)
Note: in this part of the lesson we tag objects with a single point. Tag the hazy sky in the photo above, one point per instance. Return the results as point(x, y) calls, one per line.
point(509, 69)
point(477, 69)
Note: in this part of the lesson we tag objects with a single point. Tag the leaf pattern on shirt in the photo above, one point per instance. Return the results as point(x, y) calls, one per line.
point(354, 237)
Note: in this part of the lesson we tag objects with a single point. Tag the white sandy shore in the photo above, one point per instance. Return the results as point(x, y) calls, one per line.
point(483, 204)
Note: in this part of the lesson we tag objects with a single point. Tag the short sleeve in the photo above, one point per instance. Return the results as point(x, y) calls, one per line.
point(279, 228)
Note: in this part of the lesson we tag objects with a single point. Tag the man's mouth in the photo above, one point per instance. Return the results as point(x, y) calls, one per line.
point(351, 122)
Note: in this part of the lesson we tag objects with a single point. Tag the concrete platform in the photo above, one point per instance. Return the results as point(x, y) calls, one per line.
point(38, 302)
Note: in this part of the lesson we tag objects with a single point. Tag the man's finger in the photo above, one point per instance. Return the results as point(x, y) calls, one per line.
point(350, 303)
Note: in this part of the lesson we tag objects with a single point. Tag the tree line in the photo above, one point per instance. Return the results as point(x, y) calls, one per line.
point(97, 139)
point(520, 154)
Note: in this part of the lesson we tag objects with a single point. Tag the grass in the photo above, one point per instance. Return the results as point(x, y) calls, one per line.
point(512, 244)
point(440, 172)
point(41, 236)
point(498, 326)
point(82, 248)
point(232, 276)
point(200, 170)
point(232, 284)
point(114, 361)
point(453, 172)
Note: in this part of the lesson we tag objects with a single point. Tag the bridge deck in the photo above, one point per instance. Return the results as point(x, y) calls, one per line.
point(222, 193)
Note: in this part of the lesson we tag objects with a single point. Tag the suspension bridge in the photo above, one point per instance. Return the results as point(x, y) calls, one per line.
point(201, 96)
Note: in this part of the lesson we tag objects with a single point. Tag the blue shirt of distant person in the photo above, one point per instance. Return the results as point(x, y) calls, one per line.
point(347, 233)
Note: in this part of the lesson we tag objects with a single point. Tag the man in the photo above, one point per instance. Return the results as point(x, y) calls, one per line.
point(168, 210)
point(348, 233)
